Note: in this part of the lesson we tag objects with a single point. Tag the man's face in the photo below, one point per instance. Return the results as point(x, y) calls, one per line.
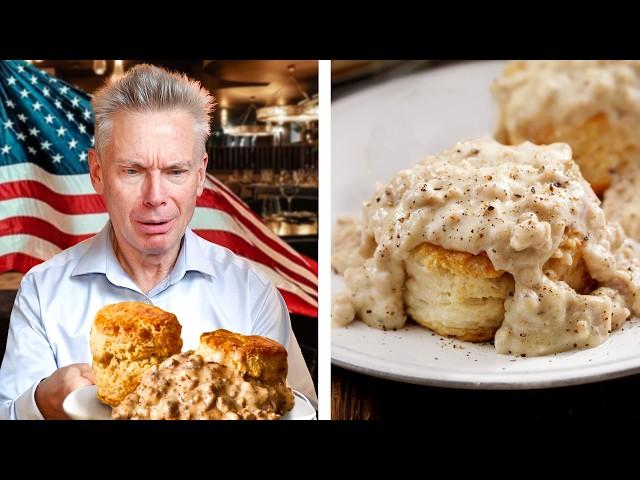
point(149, 176)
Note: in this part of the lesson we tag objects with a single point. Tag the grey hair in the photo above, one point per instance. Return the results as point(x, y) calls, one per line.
point(147, 88)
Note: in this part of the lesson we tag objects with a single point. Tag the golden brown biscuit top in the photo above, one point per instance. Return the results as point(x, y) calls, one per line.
point(134, 330)
point(129, 317)
point(252, 345)
point(458, 262)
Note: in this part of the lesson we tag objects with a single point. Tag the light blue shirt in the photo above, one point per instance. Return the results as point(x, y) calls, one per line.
point(209, 288)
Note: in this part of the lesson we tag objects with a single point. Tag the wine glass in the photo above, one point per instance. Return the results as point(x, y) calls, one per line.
point(289, 186)
point(271, 207)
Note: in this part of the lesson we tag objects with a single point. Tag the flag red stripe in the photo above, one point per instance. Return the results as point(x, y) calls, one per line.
point(40, 228)
point(68, 204)
point(18, 262)
point(75, 204)
point(219, 186)
point(296, 305)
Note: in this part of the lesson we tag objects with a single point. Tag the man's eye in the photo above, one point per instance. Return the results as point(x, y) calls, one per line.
point(177, 172)
point(131, 171)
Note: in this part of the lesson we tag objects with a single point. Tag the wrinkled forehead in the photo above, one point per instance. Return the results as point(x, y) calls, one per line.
point(169, 134)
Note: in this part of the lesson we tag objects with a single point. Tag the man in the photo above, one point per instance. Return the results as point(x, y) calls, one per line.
point(149, 166)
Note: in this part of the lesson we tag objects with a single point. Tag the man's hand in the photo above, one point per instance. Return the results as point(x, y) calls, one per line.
point(51, 392)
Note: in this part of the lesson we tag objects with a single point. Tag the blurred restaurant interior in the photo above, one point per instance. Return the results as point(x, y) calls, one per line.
point(263, 147)
point(264, 136)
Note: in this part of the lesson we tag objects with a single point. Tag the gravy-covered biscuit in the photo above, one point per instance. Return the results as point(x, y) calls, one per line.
point(590, 104)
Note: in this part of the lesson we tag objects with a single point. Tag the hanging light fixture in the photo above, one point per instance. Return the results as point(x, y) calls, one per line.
point(118, 70)
point(99, 67)
point(248, 130)
point(304, 111)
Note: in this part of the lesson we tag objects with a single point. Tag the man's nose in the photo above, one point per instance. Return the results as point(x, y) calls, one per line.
point(154, 194)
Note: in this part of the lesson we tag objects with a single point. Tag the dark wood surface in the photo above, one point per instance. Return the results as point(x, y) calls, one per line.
point(357, 396)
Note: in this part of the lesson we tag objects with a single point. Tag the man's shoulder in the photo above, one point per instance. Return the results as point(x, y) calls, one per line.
point(63, 261)
point(223, 260)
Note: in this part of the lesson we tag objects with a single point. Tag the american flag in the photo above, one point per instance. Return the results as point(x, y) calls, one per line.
point(47, 202)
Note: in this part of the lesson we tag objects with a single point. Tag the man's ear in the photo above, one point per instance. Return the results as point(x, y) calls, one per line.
point(202, 173)
point(95, 171)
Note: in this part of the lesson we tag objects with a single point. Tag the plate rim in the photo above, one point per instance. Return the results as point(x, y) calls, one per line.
point(94, 387)
point(75, 393)
point(510, 380)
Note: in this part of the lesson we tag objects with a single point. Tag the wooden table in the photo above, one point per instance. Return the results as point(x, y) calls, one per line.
point(357, 396)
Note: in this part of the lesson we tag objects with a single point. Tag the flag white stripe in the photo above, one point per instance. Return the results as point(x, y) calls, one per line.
point(78, 224)
point(206, 218)
point(28, 244)
point(64, 184)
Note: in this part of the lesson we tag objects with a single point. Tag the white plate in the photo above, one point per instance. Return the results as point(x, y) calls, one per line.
point(391, 126)
point(83, 404)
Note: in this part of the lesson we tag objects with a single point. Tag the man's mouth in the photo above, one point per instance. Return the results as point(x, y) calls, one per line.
point(155, 226)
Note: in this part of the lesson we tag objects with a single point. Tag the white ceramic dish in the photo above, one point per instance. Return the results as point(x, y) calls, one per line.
point(83, 404)
point(390, 126)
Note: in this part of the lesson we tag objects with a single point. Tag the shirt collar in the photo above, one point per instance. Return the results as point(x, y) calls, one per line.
point(195, 257)
point(100, 258)
point(94, 259)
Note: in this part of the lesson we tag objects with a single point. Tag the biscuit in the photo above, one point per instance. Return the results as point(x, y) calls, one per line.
point(462, 295)
point(126, 339)
point(251, 355)
point(599, 147)
point(455, 293)
point(588, 104)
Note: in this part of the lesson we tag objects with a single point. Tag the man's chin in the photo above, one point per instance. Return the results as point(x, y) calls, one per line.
point(157, 244)
point(156, 248)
